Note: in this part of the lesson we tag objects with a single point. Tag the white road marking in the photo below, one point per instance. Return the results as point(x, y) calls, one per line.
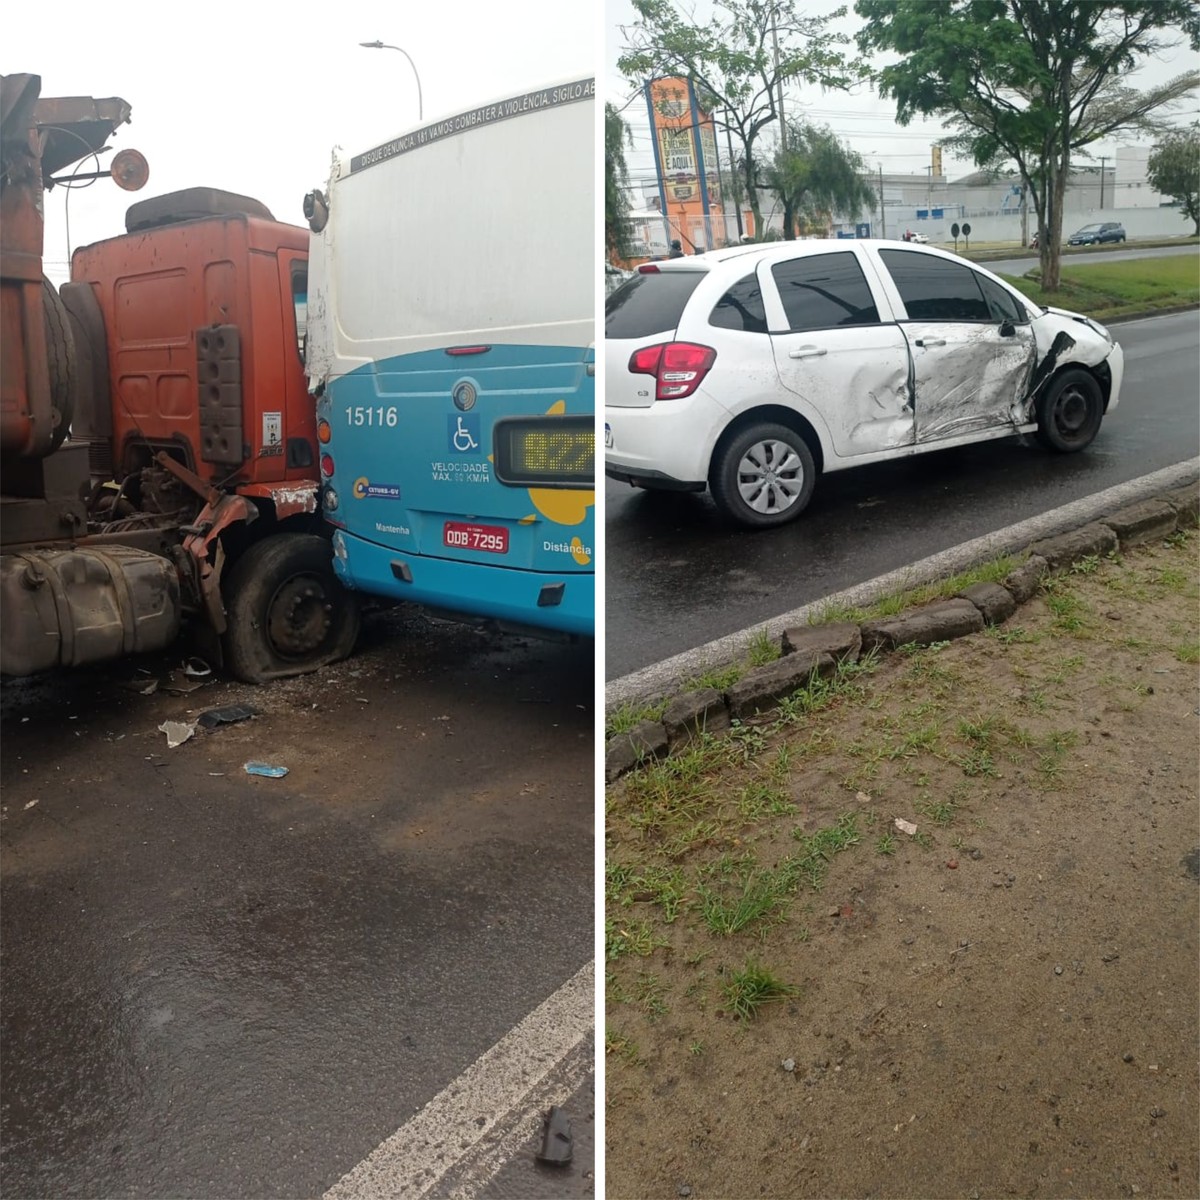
point(503, 1081)
point(483, 1162)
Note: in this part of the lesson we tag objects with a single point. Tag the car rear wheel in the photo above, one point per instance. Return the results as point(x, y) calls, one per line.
point(764, 477)
point(1070, 412)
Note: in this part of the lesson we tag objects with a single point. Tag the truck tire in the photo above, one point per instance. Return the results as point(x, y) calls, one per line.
point(60, 354)
point(287, 612)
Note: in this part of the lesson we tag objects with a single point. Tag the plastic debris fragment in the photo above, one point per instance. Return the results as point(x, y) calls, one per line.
point(265, 769)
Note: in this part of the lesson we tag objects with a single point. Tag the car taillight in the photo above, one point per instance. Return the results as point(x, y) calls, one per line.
point(327, 465)
point(678, 367)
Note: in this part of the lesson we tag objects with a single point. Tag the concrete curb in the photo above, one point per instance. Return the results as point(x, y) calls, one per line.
point(809, 651)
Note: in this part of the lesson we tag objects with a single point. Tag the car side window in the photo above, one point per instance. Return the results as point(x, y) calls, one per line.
point(1002, 304)
point(741, 307)
point(936, 290)
point(824, 291)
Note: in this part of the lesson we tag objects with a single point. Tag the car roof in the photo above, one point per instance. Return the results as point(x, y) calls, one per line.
point(772, 251)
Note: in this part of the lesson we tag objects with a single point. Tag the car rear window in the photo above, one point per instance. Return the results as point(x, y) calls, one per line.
point(649, 304)
point(741, 307)
point(935, 290)
point(823, 291)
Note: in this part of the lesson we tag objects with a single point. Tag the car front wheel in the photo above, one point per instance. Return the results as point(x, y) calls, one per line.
point(1070, 412)
point(764, 476)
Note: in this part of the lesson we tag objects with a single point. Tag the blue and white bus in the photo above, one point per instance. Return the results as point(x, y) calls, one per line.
point(450, 345)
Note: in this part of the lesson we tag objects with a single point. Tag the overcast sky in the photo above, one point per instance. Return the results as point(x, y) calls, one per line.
point(252, 97)
point(859, 117)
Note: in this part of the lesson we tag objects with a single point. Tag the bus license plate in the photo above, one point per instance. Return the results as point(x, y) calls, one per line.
point(463, 536)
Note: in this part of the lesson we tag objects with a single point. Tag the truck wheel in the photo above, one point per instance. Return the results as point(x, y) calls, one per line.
point(764, 477)
point(287, 612)
point(1070, 412)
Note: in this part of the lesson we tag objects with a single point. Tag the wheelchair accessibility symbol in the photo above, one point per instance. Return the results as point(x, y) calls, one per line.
point(464, 432)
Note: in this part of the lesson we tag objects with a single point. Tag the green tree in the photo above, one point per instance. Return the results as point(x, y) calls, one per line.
point(733, 60)
point(617, 240)
point(816, 176)
point(1032, 81)
point(1174, 170)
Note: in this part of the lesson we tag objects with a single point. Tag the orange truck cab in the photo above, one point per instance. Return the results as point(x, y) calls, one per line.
point(158, 450)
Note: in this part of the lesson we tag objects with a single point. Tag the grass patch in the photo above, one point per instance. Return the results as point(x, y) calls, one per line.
point(625, 716)
point(762, 648)
point(1113, 289)
point(621, 1046)
point(720, 678)
point(763, 896)
point(1188, 652)
point(622, 938)
point(752, 987)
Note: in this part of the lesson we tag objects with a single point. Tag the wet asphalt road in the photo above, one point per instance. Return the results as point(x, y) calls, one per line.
point(224, 986)
point(677, 577)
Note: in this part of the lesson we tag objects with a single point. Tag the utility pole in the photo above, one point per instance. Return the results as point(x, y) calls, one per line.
point(882, 210)
point(779, 84)
point(1103, 160)
point(929, 193)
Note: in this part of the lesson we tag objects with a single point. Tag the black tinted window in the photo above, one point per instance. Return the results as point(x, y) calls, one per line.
point(935, 290)
point(649, 304)
point(1002, 304)
point(823, 291)
point(741, 307)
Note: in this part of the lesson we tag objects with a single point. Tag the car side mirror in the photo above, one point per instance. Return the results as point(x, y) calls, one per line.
point(1007, 329)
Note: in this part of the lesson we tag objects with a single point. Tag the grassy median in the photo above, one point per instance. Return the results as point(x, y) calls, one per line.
point(1113, 289)
point(804, 994)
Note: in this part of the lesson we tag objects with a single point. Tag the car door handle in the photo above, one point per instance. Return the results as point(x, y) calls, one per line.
point(807, 352)
point(928, 342)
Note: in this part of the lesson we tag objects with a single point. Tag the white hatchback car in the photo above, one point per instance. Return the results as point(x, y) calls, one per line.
point(752, 370)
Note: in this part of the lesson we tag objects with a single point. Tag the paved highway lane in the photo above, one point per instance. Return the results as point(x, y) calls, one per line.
point(677, 577)
point(1018, 266)
point(223, 986)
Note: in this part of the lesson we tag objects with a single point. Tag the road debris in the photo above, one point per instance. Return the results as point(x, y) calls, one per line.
point(227, 714)
point(143, 687)
point(178, 684)
point(177, 732)
point(906, 827)
point(29, 805)
point(197, 668)
point(264, 769)
point(556, 1139)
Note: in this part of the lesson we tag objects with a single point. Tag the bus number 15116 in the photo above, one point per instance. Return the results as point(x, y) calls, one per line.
point(381, 415)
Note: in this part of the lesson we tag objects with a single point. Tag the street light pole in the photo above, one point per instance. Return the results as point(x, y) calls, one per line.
point(377, 45)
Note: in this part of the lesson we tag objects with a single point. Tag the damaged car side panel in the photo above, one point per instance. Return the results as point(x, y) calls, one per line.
point(968, 376)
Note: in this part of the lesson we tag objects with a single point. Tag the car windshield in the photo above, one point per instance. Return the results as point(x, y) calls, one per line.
point(1089, 229)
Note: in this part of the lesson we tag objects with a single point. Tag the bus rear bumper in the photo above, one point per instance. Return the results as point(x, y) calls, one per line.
point(565, 603)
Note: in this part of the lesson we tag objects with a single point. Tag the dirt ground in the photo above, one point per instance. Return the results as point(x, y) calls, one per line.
point(1004, 1004)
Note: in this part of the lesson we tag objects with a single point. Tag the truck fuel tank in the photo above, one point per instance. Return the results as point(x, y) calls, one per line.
point(64, 608)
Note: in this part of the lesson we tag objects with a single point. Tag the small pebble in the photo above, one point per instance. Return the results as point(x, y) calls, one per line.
point(1058, 970)
point(1158, 1112)
point(789, 1064)
point(977, 854)
point(685, 1190)
point(1127, 1057)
